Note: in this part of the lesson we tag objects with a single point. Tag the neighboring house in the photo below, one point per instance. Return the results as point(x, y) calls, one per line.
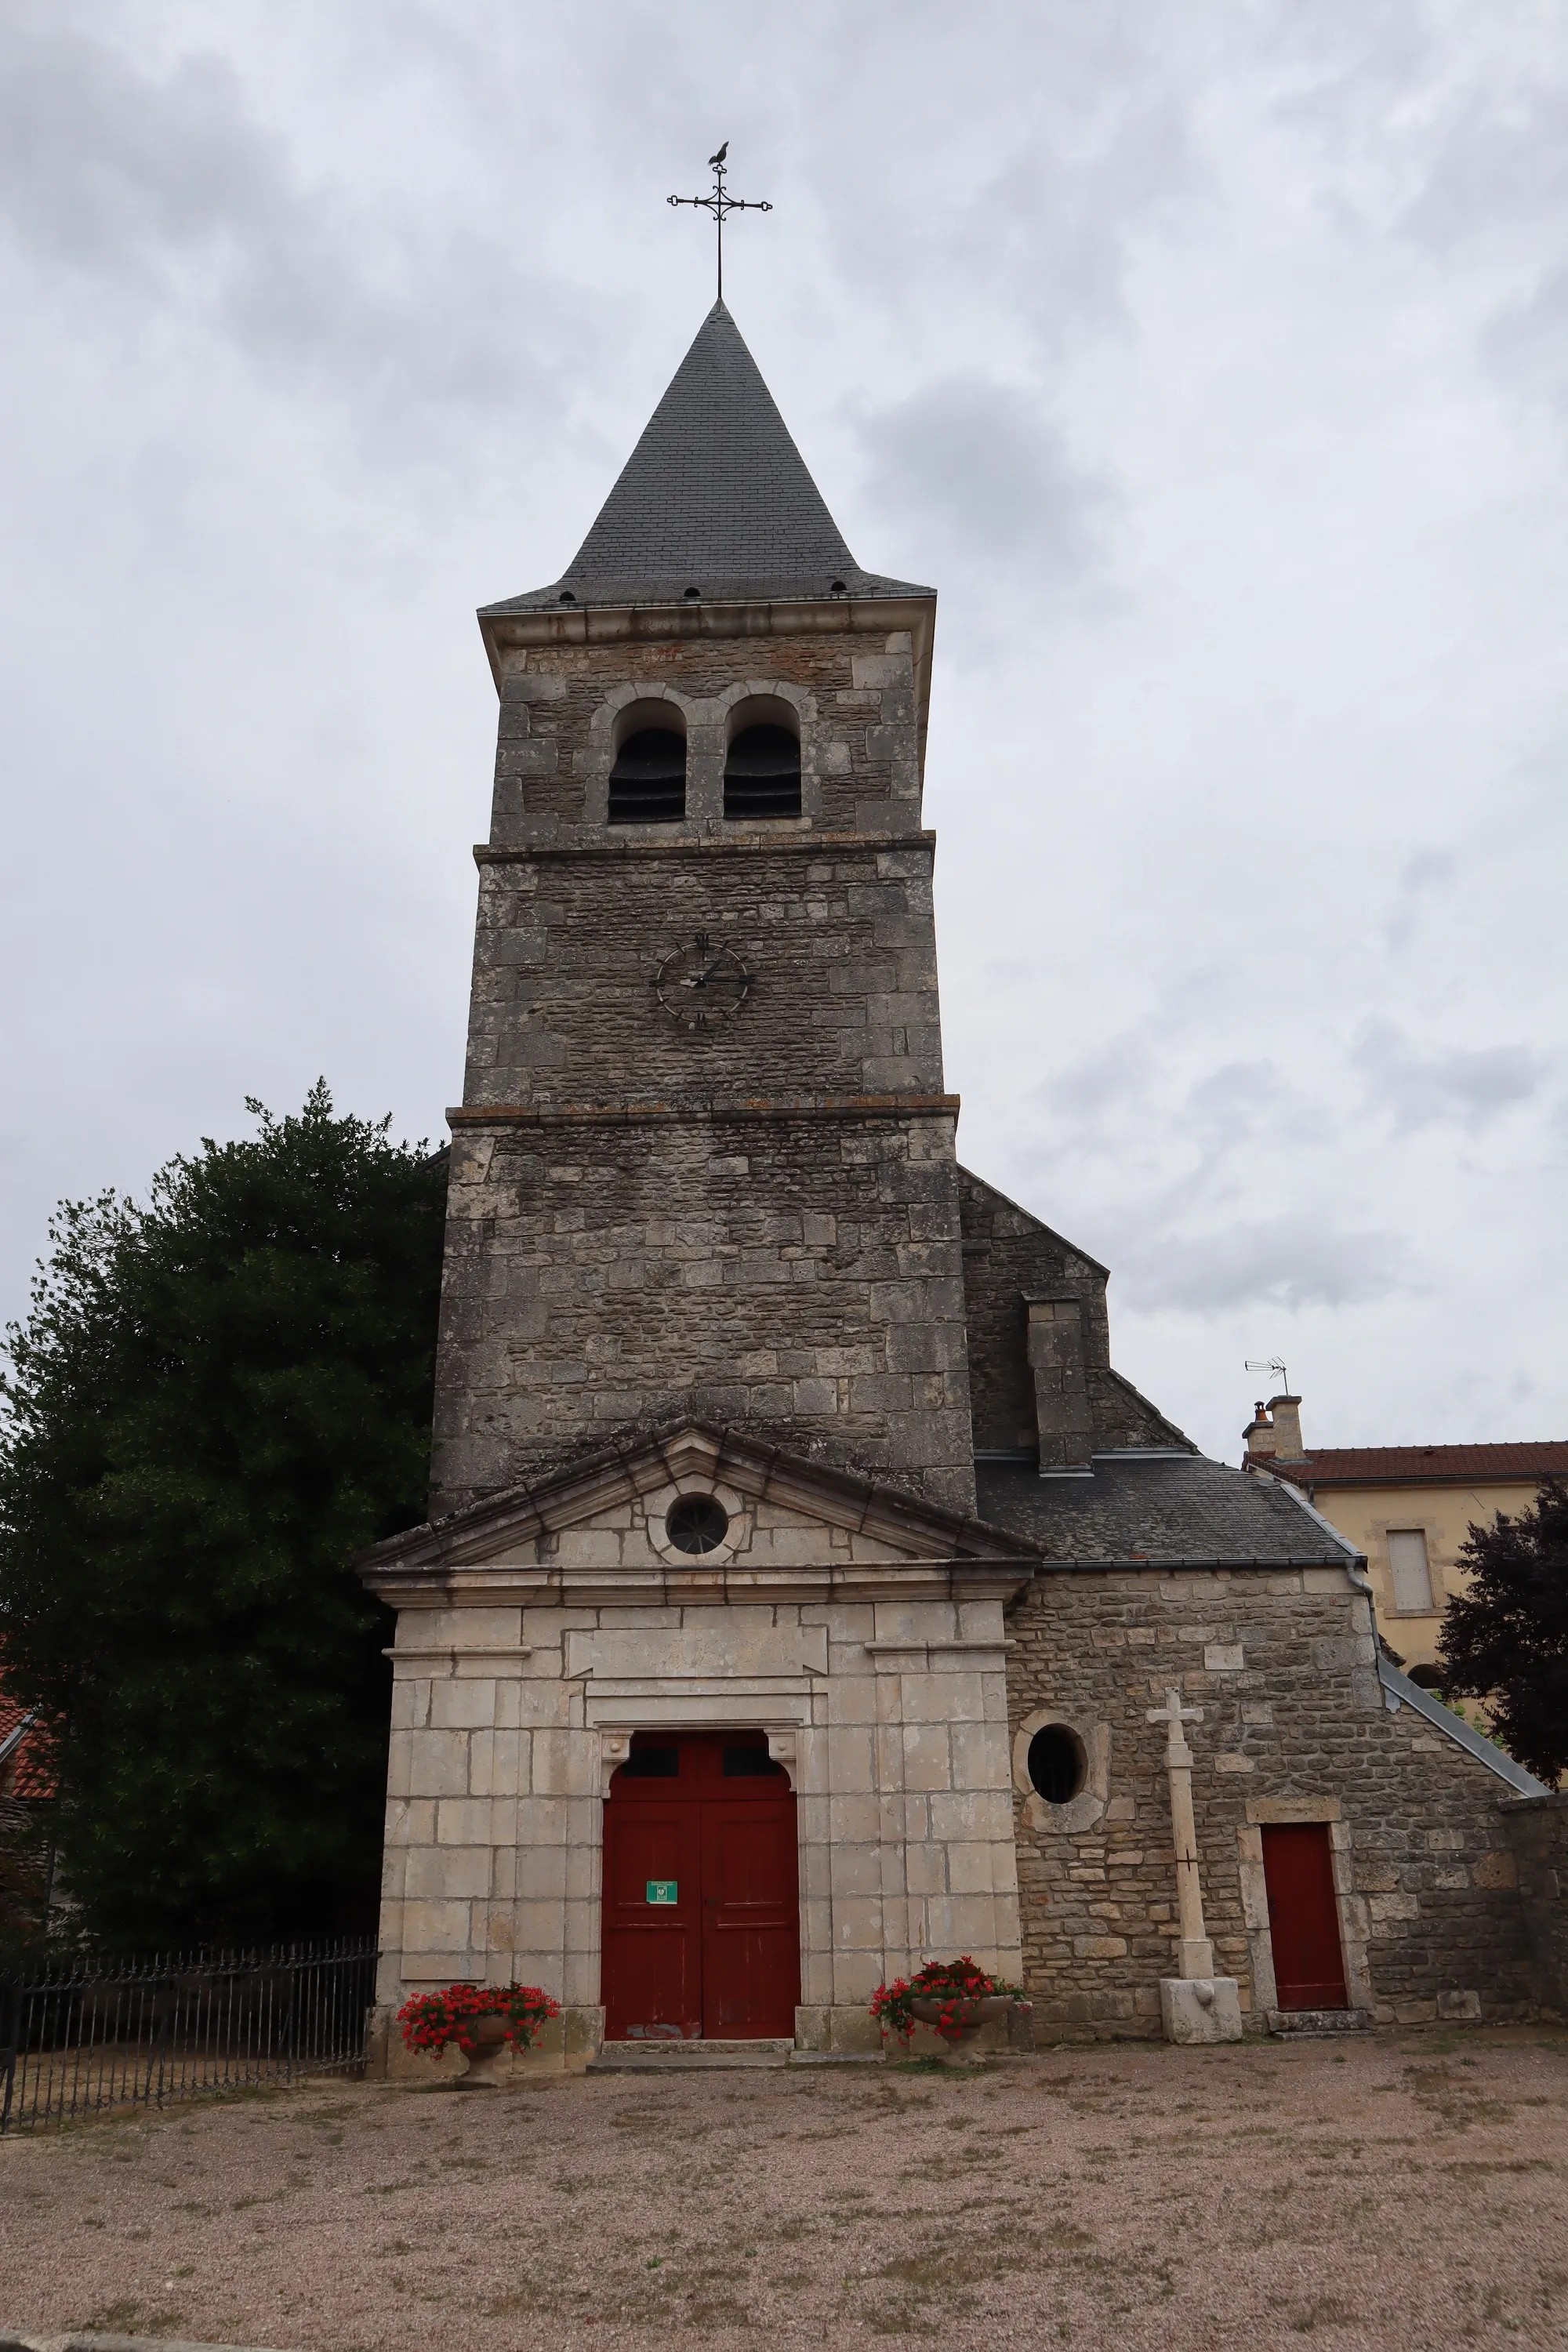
point(1408, 1508)
point(26, 1789)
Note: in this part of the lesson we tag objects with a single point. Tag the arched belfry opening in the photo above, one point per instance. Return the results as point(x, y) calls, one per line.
point(647, 782)
point(761, 771)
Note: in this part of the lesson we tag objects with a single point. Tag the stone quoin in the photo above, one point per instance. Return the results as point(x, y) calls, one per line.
point(784, 1493)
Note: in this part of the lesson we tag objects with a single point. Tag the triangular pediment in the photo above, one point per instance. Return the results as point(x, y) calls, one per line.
point(609, 1515)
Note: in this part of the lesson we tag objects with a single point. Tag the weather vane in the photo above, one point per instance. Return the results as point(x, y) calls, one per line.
point(721, 204)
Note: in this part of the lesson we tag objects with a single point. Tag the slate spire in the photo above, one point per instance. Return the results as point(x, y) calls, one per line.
point(715, 496)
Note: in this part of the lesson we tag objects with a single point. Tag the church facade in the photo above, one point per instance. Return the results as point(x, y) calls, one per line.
point(805, 1595)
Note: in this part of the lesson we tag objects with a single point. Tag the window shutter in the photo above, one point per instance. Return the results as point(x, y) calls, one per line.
point(1412, 1574)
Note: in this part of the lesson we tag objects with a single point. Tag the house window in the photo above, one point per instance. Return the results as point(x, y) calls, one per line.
point(1411, 1573)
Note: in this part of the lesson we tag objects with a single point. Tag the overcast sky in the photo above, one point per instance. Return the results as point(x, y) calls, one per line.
point(1212, 360)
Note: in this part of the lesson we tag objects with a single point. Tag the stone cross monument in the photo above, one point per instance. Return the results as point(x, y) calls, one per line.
point(1195, 2005)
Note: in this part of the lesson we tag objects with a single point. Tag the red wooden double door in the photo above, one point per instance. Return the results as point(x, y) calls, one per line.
point(701, 1891)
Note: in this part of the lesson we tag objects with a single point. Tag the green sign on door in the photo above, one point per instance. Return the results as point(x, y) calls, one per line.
point(661, 1890)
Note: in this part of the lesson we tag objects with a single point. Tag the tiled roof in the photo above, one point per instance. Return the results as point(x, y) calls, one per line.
point(715, 496)
point(1394, 1466)
point(1166, 1510)
point(21, 1772)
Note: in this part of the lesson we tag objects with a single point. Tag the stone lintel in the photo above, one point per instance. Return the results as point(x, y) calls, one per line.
point(1263, 1811)
point(720, 1700)
point(619, 1656)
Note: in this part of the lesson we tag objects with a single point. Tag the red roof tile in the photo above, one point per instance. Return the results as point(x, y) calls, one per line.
point(1394, 1466)
point(23, 1773)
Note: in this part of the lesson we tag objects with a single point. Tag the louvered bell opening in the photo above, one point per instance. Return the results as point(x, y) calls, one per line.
point(761, 775)
point(647, 783)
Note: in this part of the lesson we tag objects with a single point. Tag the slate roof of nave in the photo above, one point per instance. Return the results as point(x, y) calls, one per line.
point(1157, 1510)
point(715, 496)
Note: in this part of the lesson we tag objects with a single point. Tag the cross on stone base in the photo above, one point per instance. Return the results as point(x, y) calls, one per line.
point(1194, 1952)
point(1194, 2004)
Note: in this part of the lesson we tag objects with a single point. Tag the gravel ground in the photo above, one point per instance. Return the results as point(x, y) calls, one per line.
point(1400, 2192)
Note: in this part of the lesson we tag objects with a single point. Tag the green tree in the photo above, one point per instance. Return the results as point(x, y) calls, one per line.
point(215, 1401)
point(1507, 1638)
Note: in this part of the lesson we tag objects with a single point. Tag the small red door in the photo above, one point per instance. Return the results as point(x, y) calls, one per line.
point(1303, 1917)
point(701, 1891)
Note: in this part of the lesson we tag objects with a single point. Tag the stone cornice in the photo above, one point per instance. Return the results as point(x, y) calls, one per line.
point(826, 1106)
point(498, 1585)
point(728, 844)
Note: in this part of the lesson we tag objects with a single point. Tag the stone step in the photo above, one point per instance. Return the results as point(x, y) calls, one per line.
point(674, 2057)
point(1316, 2024)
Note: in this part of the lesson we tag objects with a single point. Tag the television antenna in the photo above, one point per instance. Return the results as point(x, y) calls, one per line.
point(1274, 1364)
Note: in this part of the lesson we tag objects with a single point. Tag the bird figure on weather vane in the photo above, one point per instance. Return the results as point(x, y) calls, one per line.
point(721, 204)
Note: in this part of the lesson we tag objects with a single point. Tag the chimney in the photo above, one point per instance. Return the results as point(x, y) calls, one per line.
point(1259, 1435)
point(1061, 1388)
point(1285, 1412)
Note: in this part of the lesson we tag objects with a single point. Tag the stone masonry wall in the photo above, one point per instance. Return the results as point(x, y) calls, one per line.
point(498, 1773)
point(855, 695)
point(790, 1275)
point(1538, 1832)
point(838, 940)
point(1008, 1254)
point(1282, 1663)
point(756, 1222)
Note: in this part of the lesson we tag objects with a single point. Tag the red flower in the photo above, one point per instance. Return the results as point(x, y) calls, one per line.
point(430, 2019)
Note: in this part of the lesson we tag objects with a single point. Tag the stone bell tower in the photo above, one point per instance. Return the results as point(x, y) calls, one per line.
point(704, 1162)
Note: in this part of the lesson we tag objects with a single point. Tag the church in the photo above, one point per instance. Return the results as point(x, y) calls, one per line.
point(805, 1594)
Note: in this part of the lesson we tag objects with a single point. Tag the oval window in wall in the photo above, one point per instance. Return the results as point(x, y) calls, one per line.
point(1057, 1764)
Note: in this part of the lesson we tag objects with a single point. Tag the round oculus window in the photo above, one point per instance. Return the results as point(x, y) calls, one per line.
point(1057, 1765)
point(697, 1523)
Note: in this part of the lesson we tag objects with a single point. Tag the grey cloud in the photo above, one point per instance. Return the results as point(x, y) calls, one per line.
point(1098, 1100)
point(1499, 160)
point(1429, 871)
point(1117, 1078)
point(986, 476)
point(111, 170)
point(1418, 1086)
point(1291, 1261)
point(1528, 340)
point(168, 189)
point(1241, 1101)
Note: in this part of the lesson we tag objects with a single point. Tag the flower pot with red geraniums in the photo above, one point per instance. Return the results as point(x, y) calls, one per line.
point(955, 1997)
point(482, 2019)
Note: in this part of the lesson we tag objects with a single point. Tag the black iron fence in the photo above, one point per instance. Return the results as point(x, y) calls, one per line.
point(81, 2036)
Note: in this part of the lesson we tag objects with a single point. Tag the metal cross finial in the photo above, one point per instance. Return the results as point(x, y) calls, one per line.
point(721, 204)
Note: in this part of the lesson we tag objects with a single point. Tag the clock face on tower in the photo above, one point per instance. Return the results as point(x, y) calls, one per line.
point(702, 984)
